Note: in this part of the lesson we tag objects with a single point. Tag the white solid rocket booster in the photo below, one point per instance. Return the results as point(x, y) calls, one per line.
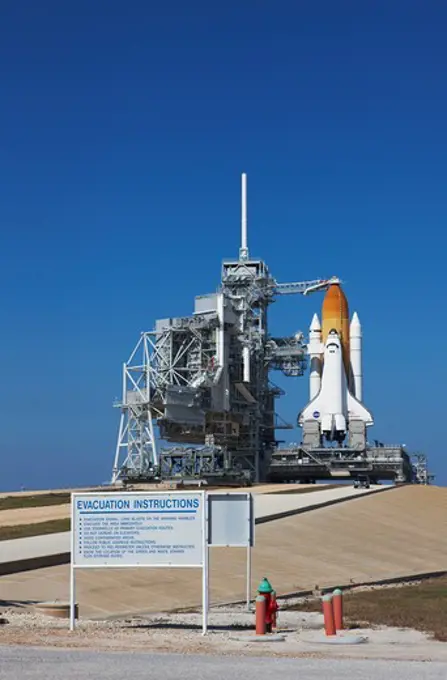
point(243, 255)
point(315, 356)
point(355, 333)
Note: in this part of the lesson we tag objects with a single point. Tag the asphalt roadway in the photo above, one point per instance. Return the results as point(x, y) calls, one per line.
point(19, 663)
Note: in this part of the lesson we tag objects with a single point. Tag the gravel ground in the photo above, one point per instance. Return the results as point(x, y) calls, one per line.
point(182, 633)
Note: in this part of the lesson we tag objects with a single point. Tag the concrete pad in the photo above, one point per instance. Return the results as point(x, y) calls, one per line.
point(336, 639)
point(274, 505)
point(34, 546)
point(258, 638)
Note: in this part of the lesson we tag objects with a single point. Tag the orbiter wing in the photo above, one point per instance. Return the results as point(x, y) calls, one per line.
point(356, 411)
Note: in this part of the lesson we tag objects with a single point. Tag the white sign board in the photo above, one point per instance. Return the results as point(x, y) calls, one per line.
point(230, 520)
point(138, 530)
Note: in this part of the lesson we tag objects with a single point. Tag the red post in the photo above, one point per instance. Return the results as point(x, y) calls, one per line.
point(328, 613)
point(260, 615)
point(337, 602)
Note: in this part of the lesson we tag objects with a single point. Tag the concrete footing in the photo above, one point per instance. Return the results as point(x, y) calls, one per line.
point(337, 640)
point(258, 638)
point(58, 610)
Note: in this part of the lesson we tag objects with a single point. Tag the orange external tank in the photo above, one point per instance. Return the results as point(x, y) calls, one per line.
point(335, 315)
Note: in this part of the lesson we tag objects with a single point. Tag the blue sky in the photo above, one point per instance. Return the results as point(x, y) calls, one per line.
point(124, 128)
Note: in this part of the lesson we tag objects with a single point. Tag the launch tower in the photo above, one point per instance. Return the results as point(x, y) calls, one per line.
point(204, 380)
point(202, 385)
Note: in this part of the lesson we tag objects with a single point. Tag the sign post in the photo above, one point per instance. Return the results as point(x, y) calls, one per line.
point(72, 570)
point(248, 577)
point(205, 573)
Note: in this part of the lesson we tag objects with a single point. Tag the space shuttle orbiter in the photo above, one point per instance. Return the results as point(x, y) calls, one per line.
point(335, 409)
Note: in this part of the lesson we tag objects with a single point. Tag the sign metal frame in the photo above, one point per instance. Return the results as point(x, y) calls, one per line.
point(135, 494)
point(249, 544)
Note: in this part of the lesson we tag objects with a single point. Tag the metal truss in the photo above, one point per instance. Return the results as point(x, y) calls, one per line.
point(174, 356)
point(379, 463)
point(136, 449)
point(204, 463)
point(421, 474)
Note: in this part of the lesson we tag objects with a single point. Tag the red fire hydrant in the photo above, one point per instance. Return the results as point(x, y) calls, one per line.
point(275, 608)
point(271, 606)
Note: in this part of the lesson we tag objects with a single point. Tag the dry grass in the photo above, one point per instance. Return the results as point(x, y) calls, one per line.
point(421, 606)
point(37, 501)
point(39, 529)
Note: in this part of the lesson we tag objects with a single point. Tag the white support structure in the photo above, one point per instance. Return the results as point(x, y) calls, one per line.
point(315, 352)
point(243, 250)
point(136, 449)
